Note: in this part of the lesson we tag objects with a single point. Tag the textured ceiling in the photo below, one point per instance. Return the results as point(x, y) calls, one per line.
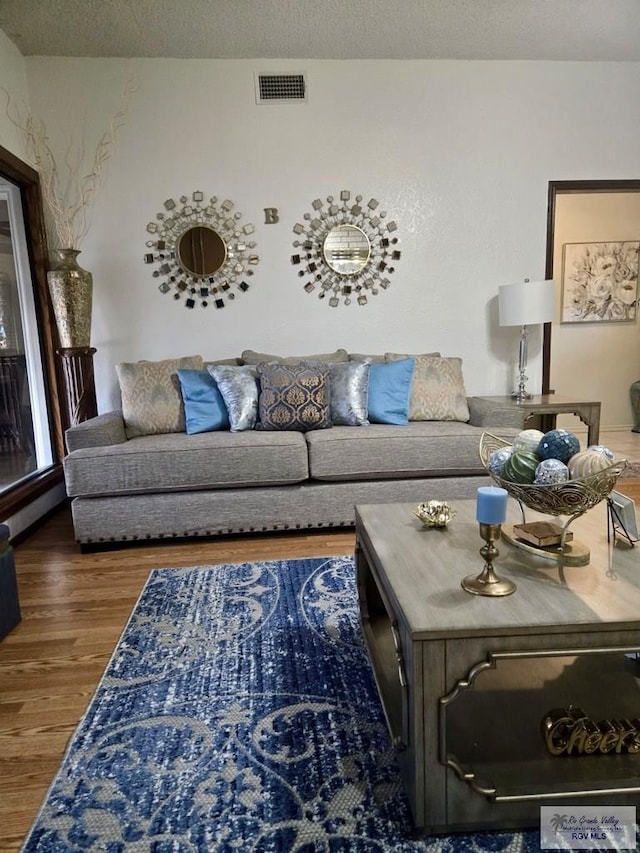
point(327, 29)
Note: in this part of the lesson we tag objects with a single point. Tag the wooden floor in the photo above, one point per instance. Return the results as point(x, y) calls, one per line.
point(74, 608)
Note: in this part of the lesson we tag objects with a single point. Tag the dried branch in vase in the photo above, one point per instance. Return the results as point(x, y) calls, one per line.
point(68, 190)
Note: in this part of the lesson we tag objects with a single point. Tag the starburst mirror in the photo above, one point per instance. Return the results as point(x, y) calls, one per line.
point(201, 250)
point(346, 250)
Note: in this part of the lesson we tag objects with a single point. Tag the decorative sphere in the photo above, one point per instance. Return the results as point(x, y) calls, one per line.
point(558, 444)
point(586, 463)
point(528, 440)
point(497, 460)
point(602, 449)
point(551, 471)
point(520, 467)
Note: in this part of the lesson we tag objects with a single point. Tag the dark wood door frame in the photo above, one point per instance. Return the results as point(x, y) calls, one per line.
point(556, 188)
point(28, 181)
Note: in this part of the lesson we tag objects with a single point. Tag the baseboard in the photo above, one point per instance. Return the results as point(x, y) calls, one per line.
point(22, 523)
point(582, 431)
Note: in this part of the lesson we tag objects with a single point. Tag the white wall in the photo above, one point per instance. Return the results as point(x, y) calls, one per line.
point(458, 153)
point(13, 78)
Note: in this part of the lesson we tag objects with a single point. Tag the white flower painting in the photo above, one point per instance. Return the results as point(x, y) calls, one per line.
point(599, 282)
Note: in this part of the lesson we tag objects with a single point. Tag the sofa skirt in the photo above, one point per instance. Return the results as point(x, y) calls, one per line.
point(313, 504)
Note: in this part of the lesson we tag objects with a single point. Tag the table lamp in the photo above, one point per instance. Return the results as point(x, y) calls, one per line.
point(525, 304)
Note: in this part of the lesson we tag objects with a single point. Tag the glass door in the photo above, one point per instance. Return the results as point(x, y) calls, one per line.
point(25, 439)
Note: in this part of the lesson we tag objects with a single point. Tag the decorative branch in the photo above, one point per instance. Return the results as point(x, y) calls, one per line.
point(68, 197)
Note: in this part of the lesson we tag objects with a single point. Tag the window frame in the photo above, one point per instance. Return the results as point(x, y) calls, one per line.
point(39, 482)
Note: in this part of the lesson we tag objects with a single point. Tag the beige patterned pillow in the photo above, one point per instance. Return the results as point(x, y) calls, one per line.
point(151, 398)
point(437, 390)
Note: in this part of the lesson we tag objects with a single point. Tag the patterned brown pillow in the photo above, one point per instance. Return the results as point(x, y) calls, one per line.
point(293, 397)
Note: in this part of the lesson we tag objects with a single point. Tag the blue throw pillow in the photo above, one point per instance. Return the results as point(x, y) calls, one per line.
point(389, 391)
point(204, 406)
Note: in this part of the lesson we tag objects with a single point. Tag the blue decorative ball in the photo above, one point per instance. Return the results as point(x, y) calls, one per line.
point(558, 444)
point(497, 460)
point(551, 471)
point(600, 448)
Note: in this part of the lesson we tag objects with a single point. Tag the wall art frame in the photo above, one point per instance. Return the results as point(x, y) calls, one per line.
point(346, 250)
point(201, 250)
point(599, 281)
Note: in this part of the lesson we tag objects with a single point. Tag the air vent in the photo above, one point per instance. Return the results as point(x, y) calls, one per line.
point(280, 88)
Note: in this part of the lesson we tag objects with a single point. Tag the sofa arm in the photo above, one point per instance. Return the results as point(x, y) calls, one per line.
point(486, 413)
point(96, 432)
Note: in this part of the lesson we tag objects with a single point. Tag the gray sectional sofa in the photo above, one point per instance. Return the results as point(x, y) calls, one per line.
point(179, 485)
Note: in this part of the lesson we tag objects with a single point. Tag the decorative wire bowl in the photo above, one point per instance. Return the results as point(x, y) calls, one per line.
point(573, 497)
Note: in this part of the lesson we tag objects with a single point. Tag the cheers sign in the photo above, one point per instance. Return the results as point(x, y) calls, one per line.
point(569, 731)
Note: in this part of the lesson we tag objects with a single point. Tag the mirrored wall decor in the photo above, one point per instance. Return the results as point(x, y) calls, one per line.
point(346, 250)
point(201, 250)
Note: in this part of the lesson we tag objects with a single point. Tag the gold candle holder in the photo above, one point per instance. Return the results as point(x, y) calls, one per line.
point(487, 582)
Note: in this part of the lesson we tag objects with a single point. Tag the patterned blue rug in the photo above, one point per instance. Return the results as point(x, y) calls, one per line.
point(239, 713)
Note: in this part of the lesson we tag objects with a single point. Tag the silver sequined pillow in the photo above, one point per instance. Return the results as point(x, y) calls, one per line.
point(239, 389)
point(349, 385)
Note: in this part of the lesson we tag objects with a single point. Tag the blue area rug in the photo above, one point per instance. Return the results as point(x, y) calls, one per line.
point(239, 713)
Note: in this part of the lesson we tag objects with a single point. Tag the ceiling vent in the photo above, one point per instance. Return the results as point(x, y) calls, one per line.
point(280, 88)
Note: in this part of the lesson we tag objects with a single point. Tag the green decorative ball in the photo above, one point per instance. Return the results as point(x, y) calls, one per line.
point(520, 467)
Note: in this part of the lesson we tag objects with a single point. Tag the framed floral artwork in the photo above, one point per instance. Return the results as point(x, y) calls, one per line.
point(599, 282)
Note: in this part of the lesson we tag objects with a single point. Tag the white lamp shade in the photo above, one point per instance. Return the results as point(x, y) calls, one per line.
point(527, 303)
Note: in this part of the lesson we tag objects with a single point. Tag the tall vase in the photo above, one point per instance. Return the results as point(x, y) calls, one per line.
point(71, 289)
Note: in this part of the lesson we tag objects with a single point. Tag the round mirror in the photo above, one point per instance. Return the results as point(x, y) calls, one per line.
point(346, 249)
point(201, 250)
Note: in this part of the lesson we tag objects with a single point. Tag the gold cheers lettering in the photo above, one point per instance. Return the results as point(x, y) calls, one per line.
point(569, 731)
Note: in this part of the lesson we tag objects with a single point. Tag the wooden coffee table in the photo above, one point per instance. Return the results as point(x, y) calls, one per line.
point(466, 681)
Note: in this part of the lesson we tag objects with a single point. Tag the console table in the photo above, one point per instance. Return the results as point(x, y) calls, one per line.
point(548, 406)
point(466, 681)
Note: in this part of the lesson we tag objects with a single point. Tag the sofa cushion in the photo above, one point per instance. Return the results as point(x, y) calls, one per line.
point(293, 397)
point(204, 406)
point(239, 389)
point(397, 356)
point(419, 449)
point(437, 389)
point(151, 398)
point(234, 362)
point(389, 390)
point(250, 356)
point(375, 358)
point(186, 462)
